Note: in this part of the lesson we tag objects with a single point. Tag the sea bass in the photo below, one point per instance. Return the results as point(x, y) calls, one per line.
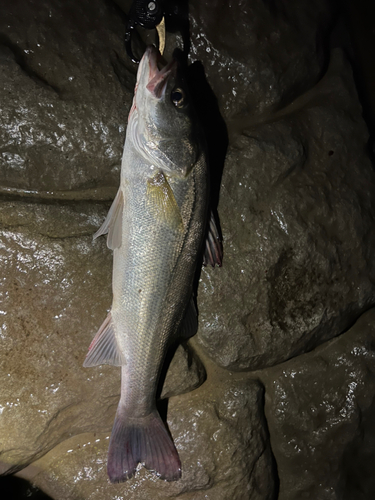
point(156, 227)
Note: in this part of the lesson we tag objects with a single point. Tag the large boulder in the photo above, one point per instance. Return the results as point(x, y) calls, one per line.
point(297, 212)
point(320, 410)
point(66, 88)
point(259, 55)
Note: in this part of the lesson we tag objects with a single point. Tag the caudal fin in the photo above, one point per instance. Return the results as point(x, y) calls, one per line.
point(143, 440)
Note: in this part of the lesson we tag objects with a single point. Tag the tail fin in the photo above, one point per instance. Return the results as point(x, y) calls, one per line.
point(144, 440)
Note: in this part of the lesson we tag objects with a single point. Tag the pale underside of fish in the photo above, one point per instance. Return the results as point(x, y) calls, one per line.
point(156, 227)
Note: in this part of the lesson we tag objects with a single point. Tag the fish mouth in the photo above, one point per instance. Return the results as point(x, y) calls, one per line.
point(157, 78)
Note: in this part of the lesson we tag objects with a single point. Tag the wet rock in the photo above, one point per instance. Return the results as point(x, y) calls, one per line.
point(50, 267)
point(66, 88)
point(259, 55)
point(320, 411)
point(219, 431)
point(47, 260)
point(297, 212)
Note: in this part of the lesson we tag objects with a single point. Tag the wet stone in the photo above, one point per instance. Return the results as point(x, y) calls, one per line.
point(320, 412)
point(65, 91)
point(219, 431)
point(46, 327)
point(258, 56)
point(296, 210)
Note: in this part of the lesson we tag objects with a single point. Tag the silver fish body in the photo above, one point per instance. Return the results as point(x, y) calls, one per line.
point(153, 272)
point(156, 227)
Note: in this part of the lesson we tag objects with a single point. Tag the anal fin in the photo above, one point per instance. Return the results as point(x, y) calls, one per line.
point(104, 349)
point(113, 223)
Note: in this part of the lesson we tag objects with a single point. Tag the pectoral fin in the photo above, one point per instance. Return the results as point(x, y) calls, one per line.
point(161, 201)
point(113, 223)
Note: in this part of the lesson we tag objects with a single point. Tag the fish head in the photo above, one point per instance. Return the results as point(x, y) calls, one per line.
point(165, 131)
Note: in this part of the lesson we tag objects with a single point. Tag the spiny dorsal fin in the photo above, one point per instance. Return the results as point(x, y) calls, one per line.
point(161, 201)
point(113, 223)
point(104, 349)
point(213, 251)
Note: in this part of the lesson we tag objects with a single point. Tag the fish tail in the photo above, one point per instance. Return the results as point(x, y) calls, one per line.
point(142, 440)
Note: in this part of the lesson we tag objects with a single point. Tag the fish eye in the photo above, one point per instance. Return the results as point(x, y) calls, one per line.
point(178, 97)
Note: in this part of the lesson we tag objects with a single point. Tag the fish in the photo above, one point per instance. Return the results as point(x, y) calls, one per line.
point(157, 227)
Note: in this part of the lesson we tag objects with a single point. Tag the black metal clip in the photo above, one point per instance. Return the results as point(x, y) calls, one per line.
point(148, 14)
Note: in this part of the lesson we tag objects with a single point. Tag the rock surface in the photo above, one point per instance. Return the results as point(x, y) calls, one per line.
point(320, 410)
point(47, 260)
point(297, 213)
point(64, 96)
point(259, 55)
point(220, 434)
point(185, 373)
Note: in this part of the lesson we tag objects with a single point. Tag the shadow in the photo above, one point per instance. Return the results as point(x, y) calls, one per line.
point(274, 473)
point(213, 126)
point(177, 20)
point(215, 134)
point(162, 404)
point(359, 17)
point(15, 488)
point(162, 407)
point(167, 361)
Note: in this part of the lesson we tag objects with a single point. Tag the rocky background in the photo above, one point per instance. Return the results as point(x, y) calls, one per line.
point(275, 396)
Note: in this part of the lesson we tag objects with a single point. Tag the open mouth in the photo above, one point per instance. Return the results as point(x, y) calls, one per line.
point(158, 77)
